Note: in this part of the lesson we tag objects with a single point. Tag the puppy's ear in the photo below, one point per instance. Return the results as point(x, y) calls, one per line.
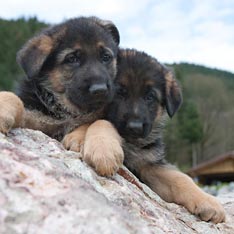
point(173, 93)
point(110, 27)
point(34, 53)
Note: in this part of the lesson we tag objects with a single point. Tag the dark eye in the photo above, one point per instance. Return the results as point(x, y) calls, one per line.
point(106, 57)
point(72, 59)
point(151, 96)
point(122, 92)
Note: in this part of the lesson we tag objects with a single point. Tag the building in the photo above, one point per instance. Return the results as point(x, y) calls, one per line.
point(220, 168)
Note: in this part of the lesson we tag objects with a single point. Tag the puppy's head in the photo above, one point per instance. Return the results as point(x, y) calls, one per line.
point(144, 89)
point(75, 60)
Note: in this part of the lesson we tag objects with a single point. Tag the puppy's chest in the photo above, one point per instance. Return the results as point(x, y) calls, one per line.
point(153, 140)
point(54, 127)
point(71, 123)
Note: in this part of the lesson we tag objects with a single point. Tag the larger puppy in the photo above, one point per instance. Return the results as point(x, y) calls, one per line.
point(70, 69)
point(146, 90)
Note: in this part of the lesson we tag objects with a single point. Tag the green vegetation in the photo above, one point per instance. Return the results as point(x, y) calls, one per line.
point(203, 127)
point(13, 34)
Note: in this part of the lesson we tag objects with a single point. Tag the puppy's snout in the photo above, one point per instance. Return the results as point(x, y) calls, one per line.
point(98, 89)
point(135, 127)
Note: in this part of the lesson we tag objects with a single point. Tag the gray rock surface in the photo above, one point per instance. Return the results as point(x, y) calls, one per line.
point(45, 189)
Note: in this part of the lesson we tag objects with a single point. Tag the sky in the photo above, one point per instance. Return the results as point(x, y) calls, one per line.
point(194, 31)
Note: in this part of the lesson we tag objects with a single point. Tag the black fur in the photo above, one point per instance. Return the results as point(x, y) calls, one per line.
point(141, 97)
point(65, 67)
point(86, 33)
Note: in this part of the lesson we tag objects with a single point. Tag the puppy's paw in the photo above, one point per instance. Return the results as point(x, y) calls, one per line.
point(6, 122)
point(208, 208)
point(74, 141)
point(104, 154)
point(11, 111)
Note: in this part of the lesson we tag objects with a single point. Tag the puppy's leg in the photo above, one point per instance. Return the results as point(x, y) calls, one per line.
point(75, 140)
point(102, 148)
point(174, 186)
point(11, 111)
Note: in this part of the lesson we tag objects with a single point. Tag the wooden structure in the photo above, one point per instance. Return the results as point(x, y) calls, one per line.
point(217, 169)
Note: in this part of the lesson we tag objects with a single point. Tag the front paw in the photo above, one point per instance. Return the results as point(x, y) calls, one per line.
point(105, 155)
point(11, 111)
point(73, 142)
point(6, 122)
point(208, 208)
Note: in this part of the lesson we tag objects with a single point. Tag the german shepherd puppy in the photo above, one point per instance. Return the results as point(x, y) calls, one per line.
point(70, 71)
point(145, 92)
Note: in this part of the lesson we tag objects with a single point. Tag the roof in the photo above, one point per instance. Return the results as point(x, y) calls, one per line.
point(212, 162)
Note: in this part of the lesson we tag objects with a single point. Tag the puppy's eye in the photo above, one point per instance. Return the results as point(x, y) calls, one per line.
point(122, 92)
point(151, 96)
point(106, 57)
point(72, 59)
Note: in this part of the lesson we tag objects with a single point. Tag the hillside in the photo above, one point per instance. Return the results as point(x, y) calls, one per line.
point(203, 128)
point(13, 34)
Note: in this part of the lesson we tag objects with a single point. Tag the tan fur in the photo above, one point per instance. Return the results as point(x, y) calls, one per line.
point(174, 186)
point(45, 44)
point(149, 83)
point(100, 44)
point(75, 140)
point(11, 111)
point(128, 53)
point(159, 114)
point(77, 46)
point(124, 81)
point(114, 64)
point(36, 120)
point(56, 78)
point(171, 83)
point(61, 56)
point(169, 80)
point(102, 148)
point(13, 115)
point(100, 144)
point(67, 104)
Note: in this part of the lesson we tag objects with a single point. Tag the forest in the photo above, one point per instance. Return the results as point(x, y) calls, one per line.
point(202, 128)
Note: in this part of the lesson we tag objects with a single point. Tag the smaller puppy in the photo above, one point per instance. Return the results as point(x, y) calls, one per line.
point(145, 91)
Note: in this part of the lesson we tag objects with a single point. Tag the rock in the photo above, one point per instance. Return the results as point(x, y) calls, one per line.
point(219, 188)
point(45, 189)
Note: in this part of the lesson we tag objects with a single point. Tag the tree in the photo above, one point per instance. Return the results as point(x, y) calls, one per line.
point(13, 34)
point(190, 127)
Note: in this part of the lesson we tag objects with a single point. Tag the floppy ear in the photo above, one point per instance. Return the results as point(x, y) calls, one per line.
point(110, 27)
point(34, 53)
point(173, 93)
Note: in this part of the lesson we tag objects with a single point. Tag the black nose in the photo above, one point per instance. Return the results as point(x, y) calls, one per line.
point(135, 127)
point(98, 89)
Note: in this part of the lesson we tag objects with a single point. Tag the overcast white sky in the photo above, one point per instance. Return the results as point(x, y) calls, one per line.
point(196, 31)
